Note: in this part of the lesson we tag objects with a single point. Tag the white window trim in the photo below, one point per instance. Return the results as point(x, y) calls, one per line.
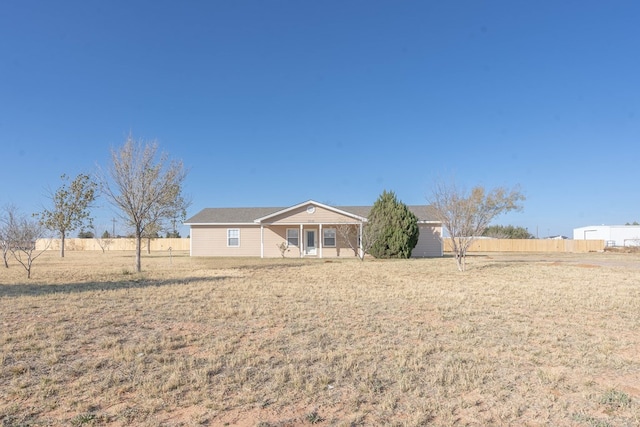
point(335, 237)
point(297, 236)
point(229, 230)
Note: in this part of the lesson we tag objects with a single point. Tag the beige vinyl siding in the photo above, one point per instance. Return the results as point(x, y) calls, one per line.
point(264, 229)
point(276, 234)
point(273, 236)
point(211, 240)
point(320, 215)
point(342, 248)
point(338, 252)
point(429, 242)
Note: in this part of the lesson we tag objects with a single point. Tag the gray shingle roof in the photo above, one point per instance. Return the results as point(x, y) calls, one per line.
point(247, 215)
point(230, 215)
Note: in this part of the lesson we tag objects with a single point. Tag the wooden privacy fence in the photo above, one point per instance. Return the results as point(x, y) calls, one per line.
point(531, 245)
point(120, 244)
point(480, 245)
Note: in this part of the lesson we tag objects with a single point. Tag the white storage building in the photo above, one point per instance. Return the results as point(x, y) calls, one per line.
point(613, 235)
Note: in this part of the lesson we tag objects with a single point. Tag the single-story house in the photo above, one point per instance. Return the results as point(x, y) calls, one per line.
point(613, 235)
point(308, 229)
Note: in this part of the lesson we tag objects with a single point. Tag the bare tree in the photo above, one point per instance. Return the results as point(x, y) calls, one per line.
point(360, 238)
point(371, 233)
point(283, 247)
point(7, 221)
point(145, 187)
point(22, 234)
point(4, 246)
point(465, 215)
point(152, 232)
point(70, 207)
point(104, 241)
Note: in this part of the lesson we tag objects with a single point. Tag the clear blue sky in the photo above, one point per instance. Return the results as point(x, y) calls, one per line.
point(271, 103)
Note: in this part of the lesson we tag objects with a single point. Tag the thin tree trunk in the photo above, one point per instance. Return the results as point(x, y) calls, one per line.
point(138, 250)
point(62, 237)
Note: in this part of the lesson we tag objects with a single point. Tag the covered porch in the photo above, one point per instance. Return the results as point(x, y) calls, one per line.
point(311, 240)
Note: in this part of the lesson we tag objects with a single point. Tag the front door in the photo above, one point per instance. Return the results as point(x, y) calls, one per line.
point(310, 242)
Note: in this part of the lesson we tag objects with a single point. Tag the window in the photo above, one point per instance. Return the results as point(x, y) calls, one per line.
point(233, 237)
point(292, 236)
point(329, 237)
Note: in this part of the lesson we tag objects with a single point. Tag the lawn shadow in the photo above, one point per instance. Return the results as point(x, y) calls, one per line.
point(68, 288)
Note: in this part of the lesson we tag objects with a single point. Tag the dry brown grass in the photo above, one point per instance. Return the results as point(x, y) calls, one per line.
point(527, 340)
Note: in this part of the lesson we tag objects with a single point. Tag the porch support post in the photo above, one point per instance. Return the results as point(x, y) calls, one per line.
point(301, 242)
point(360, 238)
point(320, 239)
point(261, 240)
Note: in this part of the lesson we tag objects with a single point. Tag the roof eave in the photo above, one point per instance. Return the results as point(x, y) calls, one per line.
point(219, 223)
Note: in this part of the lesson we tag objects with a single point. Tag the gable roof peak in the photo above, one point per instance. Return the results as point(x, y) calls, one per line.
point(309, 202)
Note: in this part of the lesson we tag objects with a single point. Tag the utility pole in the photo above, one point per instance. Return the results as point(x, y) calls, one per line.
point(113, 232)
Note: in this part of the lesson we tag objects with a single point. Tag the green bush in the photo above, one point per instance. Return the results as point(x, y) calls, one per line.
point(396, 227)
